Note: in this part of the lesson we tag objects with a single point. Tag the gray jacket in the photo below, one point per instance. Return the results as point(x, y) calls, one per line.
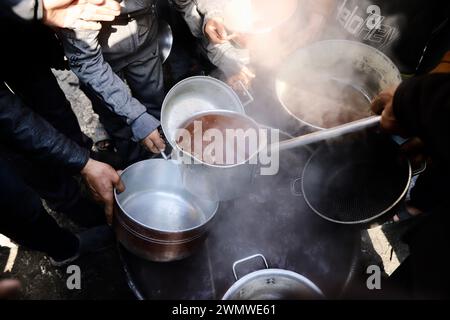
point(96, 57)
point(225, 56)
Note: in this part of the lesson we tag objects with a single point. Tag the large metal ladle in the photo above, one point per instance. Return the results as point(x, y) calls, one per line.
point(326, 134)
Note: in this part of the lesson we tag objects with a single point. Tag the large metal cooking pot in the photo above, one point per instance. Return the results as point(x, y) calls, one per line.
point(271, 284)
point(220, 182)
point(359, 179)
point(156, 217)
point(331, 68)
point(192, 96)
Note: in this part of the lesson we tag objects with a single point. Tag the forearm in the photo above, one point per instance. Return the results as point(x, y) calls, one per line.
point(422, 107)
point(23, 129)
point(86, 61)
point(210, 8)
point(228, 58)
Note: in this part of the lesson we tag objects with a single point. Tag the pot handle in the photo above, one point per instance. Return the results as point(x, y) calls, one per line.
point(246, 94)
point(294, 189)
point(421, 169)
point(248, 259)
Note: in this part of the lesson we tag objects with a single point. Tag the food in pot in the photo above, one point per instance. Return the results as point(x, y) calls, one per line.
point(327, 103)
point(219, 139)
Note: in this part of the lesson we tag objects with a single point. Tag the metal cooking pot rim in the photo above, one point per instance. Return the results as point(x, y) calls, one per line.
point(224, 112)
point(158, 230)
point(267, 272)
point(190, 79)
point(157, 241)
point(349, 42)
point(374, 218)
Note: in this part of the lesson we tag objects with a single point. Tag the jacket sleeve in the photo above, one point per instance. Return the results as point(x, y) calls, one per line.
point(28, 10)
point(196, 13)
point(422, 106)
point(26, 131)
point(190, 14)
point(210, 8)
point(86, 61)
point(227, 57)
point(224, 56)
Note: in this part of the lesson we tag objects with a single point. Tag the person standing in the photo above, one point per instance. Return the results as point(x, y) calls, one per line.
point(121, 72)
point(23, 217)
point(420, 107)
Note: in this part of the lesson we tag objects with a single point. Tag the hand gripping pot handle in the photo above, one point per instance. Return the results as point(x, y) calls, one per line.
point(248, 259)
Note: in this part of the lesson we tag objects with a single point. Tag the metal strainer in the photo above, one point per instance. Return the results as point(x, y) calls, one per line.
point(356, 179)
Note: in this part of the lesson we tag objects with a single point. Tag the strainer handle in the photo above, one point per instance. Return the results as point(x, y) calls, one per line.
point(402, 141)
point(420, 170)
point(248, 259)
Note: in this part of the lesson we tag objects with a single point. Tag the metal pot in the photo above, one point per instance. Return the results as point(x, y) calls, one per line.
point(219, 182)
point(188, 99)
point(271, 284)
point(192, 96)
point(156, 218)
point(339, 65)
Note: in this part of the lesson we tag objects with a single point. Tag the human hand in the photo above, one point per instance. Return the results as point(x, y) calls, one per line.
point(154, 142)
point(79, 14)
point(414, 148)
point(216, 32)
point(101, 180)
point(9, 289)
point(384, 105)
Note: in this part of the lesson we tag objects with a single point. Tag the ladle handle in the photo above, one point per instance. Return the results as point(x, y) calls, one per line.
point(327, 133)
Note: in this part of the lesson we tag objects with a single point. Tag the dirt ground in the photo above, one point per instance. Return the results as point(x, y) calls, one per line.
point(102, 274)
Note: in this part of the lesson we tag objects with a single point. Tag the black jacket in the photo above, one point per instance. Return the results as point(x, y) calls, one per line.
point(20, 127)
point(422, 106)
point(25, 131)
